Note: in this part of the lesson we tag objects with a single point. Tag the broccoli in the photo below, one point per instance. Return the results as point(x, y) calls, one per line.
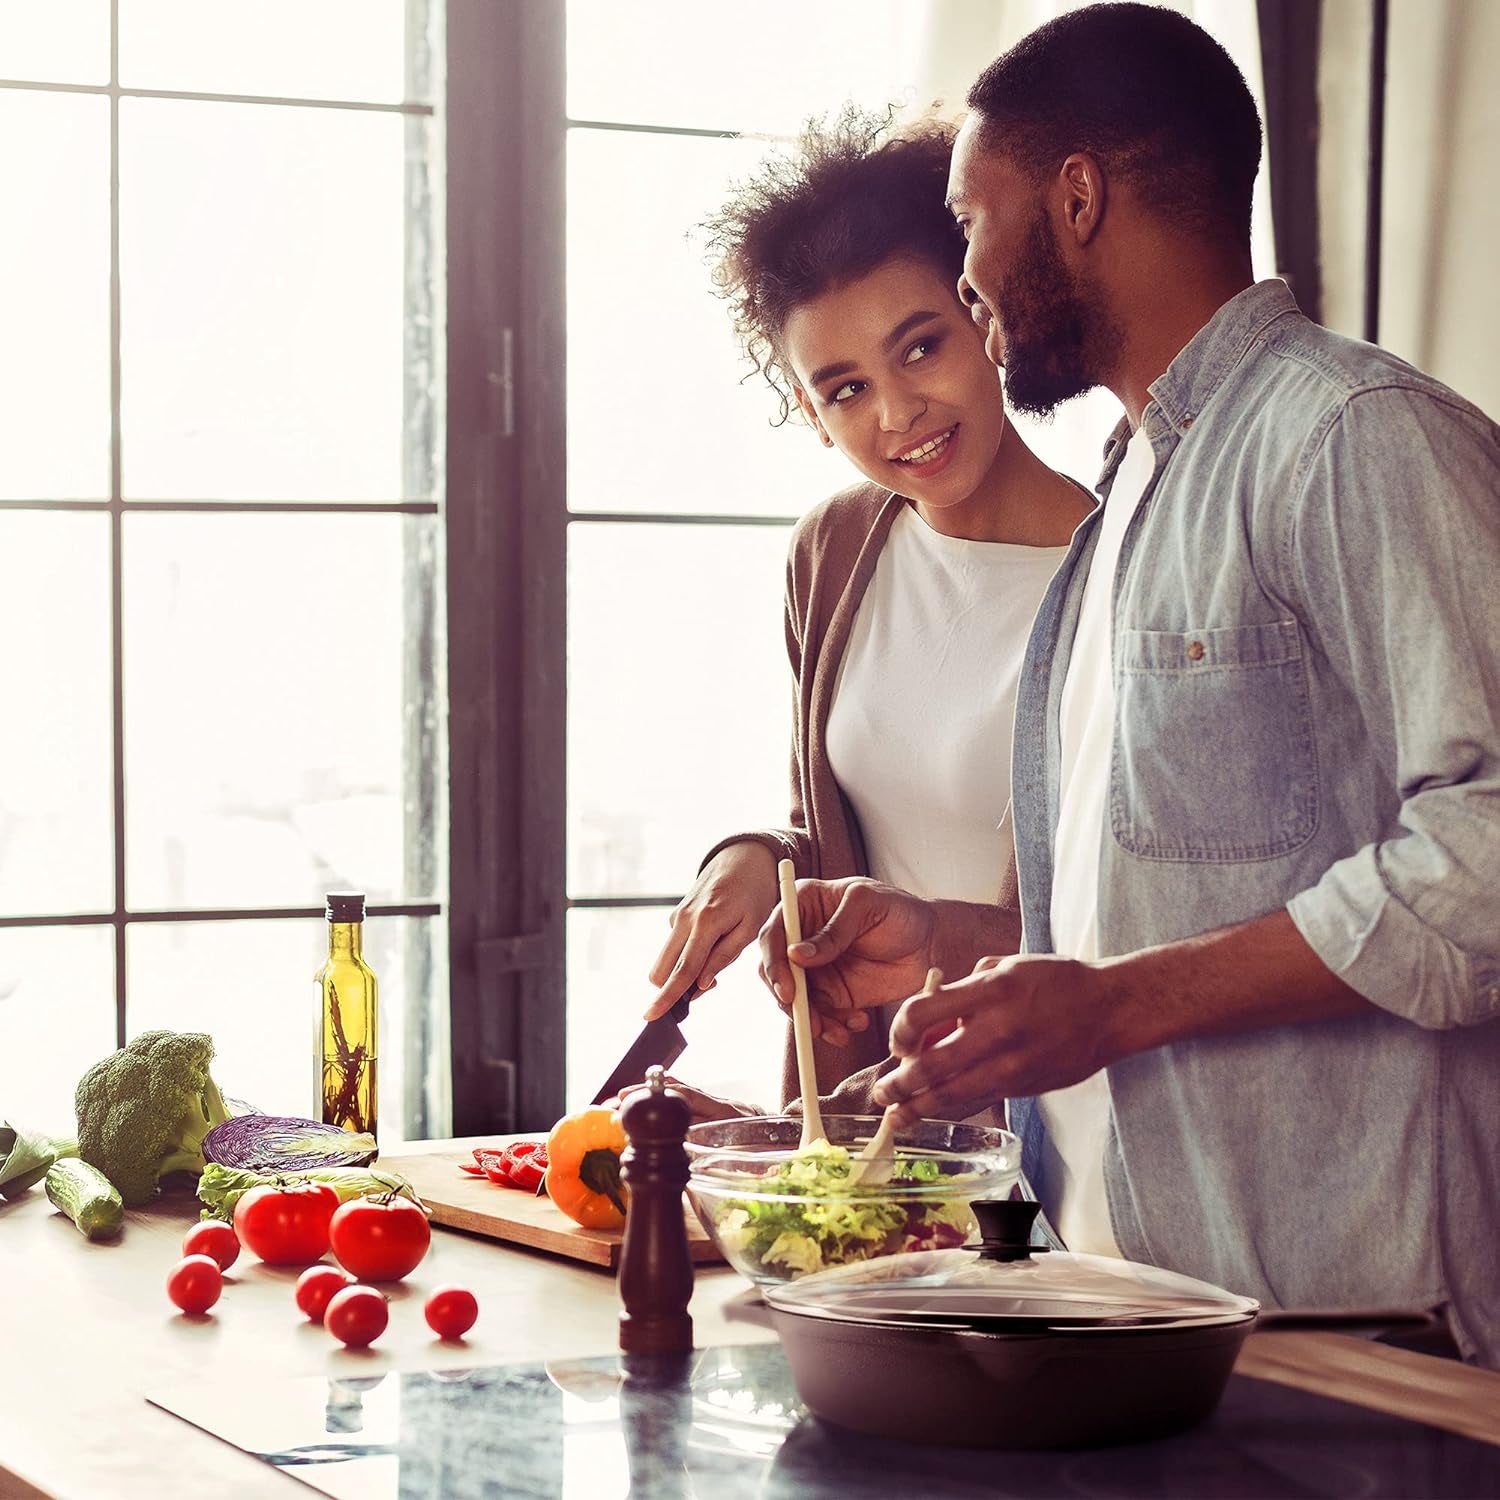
point(144, 1110)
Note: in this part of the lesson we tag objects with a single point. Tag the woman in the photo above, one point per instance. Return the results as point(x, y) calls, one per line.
point(909, 596)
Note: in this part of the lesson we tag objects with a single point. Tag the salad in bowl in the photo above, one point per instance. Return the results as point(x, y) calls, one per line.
point(777, 1211)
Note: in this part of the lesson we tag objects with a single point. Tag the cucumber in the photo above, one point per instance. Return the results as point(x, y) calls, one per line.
point(87, 1196)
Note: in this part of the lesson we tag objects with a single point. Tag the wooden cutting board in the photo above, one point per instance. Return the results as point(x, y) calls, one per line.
point(482, 1207)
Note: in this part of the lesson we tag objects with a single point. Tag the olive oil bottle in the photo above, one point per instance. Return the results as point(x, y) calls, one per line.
point(349, 1030)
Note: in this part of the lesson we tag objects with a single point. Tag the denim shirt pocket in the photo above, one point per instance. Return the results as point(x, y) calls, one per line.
point(1214, 758)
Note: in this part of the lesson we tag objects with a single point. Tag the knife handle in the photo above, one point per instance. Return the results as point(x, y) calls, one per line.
point(679, 1011)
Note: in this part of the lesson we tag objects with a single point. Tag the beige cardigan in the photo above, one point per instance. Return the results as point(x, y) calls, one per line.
point(834, 550)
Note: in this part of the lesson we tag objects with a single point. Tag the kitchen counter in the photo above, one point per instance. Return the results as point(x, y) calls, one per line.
point(87, 1333)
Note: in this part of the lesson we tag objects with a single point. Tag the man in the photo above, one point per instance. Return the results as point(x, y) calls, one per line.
point(1255, 1030)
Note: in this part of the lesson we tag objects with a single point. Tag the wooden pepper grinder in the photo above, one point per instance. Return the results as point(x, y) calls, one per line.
point(656, 1271)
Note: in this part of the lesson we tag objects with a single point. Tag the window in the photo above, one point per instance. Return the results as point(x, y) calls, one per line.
point(220, 535)
point(680, 491)
point(646, 714)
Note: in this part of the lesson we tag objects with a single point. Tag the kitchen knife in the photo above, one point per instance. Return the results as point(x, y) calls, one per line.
point(661, 1041)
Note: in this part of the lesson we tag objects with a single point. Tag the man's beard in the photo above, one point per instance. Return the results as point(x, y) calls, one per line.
point(1058, 343)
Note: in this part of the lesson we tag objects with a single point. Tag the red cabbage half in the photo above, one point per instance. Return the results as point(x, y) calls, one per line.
point(283, 1143)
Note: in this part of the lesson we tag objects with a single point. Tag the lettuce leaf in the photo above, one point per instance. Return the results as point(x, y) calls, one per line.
point(221, 1187)
point(824, 1220)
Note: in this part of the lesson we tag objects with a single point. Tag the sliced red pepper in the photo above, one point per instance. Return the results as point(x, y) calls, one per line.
point(517, 1164)
point(527, 1173)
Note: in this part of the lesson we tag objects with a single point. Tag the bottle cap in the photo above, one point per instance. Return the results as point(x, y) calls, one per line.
point(346, 906)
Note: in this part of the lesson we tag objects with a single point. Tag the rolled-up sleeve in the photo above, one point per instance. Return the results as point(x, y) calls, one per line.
point(1393, 543)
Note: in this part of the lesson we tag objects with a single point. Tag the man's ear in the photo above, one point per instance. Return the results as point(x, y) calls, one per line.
point(810, 412)
point(1084, 193)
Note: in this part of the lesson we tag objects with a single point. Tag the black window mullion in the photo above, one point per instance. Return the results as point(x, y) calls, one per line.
point(506, 561)
point(116, 528)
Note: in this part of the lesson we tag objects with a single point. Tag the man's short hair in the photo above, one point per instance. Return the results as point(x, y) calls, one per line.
point(1153, 97)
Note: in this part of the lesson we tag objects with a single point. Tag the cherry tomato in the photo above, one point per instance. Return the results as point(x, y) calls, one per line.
point(195, 1282)
point(286, 1226)
point(380, 1239)
point(215, 1239)
point(451, 1311)
point(316, 1285)
point(356, 1316)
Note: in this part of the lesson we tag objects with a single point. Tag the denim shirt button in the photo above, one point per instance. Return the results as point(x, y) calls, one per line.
point(1195, 650)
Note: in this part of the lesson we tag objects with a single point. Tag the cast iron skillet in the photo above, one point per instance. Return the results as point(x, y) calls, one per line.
point(1019, 1384)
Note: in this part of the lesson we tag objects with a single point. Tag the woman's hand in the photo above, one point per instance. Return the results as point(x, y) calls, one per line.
point(865, 944)
point(704, 1106)
point(714, 922)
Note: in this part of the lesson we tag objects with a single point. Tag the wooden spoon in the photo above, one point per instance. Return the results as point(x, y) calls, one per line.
point(807, 1071)
point(876, 1162)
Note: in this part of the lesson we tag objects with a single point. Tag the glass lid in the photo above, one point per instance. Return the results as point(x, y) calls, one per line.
point(1006, 1285)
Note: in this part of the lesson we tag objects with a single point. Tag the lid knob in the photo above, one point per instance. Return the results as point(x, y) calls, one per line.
point(1005, 1228)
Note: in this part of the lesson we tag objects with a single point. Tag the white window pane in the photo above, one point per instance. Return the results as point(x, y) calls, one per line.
point(304, 49)
point(263, 295)
point(54, 41)
point(735, 1033)
point(56, 756)
point(679, 698)
point(57, 1019)
point(265, 708)
point(54, 296)
point(761, 67)
point(660, 415)
point(249, 985)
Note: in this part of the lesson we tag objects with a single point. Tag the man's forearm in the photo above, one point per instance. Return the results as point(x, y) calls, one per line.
point(1258, 973)
point(966, 931)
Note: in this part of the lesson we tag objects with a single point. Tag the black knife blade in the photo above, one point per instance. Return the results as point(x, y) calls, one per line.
point(661, 1041)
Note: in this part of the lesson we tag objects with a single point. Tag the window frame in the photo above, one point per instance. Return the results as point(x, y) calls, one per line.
point(422, 787)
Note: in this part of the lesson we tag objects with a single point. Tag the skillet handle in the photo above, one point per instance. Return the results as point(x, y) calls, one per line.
point(1348, 1320)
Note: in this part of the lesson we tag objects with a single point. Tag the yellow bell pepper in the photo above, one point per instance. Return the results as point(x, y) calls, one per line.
point(583, 1167)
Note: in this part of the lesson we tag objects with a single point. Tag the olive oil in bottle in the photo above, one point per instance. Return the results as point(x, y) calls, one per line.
point(348, 1031)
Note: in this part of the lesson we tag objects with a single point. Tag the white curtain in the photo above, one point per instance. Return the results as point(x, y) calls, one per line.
point(952, 41)
point(1441, 222)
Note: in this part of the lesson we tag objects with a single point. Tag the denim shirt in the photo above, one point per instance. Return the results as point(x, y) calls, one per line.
point(1306, 662)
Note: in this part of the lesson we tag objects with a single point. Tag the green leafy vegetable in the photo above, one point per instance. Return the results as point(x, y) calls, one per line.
point(143, 1111)
point(805, 1214)
point(24, 1158)
point(220, 1188)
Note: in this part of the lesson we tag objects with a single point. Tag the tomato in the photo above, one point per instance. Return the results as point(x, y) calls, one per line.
point(215, 1239)
point(451, 1311)
point(195, 1282)
point(380, 1239)
point(356, 1316)
point(316, 1285)
point(286, 1226)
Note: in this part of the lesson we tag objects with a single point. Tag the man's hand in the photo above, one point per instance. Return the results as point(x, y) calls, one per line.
point(1015, 1027)
point(865, 944)
point(1023, 1026)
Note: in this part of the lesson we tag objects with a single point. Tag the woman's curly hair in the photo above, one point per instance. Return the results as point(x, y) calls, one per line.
point(852, 195)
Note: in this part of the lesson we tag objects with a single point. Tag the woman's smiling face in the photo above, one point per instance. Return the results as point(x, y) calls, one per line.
point(892, 372)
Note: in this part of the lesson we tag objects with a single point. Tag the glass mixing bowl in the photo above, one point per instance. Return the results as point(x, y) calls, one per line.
point(777, 1213)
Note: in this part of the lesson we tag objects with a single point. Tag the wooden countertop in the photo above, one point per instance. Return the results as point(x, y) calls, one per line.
point(87, 1331)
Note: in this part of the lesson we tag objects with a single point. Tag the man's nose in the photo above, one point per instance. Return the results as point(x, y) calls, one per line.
point(966, 293)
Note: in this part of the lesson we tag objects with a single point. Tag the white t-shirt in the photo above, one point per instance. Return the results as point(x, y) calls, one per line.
point(1077, 1118)
point(919, 730)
